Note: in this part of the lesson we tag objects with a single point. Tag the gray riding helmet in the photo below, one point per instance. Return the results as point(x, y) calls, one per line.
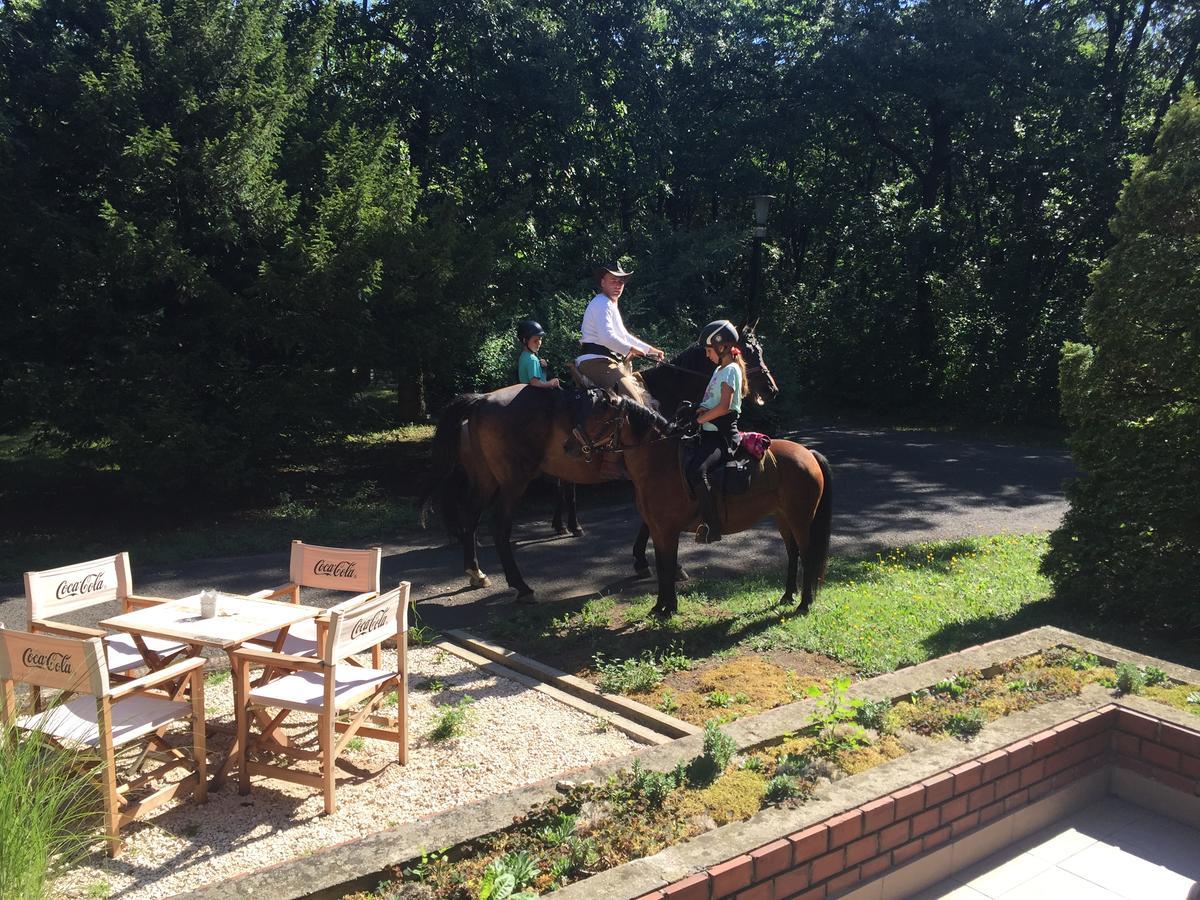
point(720, 333)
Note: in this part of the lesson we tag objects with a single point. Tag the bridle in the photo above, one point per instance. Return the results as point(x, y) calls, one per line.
point(610, 443)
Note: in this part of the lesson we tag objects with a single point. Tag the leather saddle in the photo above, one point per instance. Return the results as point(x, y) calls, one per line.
point(736, 476)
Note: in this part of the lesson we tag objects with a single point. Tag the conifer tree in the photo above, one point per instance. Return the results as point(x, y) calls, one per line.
point(1130, 543)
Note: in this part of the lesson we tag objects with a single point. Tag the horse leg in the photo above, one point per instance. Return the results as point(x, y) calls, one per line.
point(502, 519)
point(568, 489)
point(793, 551)
point(470, 547)
point(640, 565)
point(560, 502)
point(666, 554)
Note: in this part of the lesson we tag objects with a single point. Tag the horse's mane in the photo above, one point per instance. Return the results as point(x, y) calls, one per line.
point(693, 359)
point(642, 418)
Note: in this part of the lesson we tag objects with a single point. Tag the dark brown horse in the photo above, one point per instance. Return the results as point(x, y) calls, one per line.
point(801, 500)
point(486, 451)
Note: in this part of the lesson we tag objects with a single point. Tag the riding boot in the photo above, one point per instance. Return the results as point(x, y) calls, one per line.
point(709, 531)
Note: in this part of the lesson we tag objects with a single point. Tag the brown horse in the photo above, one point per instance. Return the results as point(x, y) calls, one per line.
point(486, 451)
point(492, 445)
point(801, 501)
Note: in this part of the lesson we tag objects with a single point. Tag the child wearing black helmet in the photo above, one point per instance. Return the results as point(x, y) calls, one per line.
point(531, 369)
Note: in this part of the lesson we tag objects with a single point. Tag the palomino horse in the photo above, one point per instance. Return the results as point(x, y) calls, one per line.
point(684, 377)
point(801, 501)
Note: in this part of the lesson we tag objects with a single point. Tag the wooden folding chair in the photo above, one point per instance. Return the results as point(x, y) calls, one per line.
point(56, 592)
point(328, 687)
point(95, 719)
point(323, 568)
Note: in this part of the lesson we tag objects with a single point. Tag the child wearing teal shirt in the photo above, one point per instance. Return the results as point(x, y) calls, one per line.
point(530, 369)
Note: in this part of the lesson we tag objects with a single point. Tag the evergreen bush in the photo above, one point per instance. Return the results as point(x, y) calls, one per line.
point(1130, 543)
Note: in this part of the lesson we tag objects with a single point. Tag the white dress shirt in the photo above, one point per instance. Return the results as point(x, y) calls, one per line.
point(602, 325)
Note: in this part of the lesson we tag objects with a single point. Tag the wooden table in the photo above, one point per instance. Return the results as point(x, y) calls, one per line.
point(238, 620)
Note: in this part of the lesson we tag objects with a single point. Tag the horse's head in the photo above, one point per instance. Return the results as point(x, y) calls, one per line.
point(762, 382)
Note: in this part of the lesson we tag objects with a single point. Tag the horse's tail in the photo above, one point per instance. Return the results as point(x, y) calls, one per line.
point(816, 555)
point(444, 452)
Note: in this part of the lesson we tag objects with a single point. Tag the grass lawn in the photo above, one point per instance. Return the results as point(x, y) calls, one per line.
point(875, 614)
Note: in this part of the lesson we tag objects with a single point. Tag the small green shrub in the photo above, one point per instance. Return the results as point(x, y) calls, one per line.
point(1194, 697)
point(651, 785)
point(965, 724)
point(452, 719)
point(668, 703)
point(795, 765)
point(432, 685)
point(639, 675)
point(559, 830)
point(718, 751)
point(834, 717)
point(874, 714)
point(1130, 679)
point(780, 788)
point(719, 698)
point(580, 854)
point(506, 875)
point(1155, 676)
point(954, 686)
point(1068, 656)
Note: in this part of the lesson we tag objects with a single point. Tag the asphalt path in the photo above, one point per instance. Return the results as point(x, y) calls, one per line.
point(890, 488)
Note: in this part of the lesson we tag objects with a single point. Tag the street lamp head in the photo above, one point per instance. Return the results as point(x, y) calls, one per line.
point(762, 206)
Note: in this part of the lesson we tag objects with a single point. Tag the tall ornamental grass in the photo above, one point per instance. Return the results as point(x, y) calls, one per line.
point(48, 805)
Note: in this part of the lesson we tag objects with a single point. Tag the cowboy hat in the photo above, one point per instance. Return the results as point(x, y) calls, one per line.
point(612, 267)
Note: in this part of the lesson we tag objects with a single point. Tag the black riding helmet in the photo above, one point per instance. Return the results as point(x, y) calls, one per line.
point(528, 329)
point(720, 333)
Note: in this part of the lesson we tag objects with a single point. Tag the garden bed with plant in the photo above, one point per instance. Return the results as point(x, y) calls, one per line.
point(733, 651)
point(638, 812)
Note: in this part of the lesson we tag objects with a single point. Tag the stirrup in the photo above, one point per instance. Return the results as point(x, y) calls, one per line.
point(705, 535)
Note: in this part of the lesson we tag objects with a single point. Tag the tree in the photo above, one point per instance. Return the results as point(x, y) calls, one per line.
point(191, 243)
point(1130, 542)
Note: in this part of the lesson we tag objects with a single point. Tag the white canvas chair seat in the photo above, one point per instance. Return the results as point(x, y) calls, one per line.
point(133, 718)
point(306, 690)
point(301, 639)
point(123, 653)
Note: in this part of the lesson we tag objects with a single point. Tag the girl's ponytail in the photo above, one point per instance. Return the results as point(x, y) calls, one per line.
point(735, 355)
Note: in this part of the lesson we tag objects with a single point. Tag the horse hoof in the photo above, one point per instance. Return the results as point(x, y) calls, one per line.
point(681, 575)
point(481, 582)
point(526, 598)
point(558, 529)
point(661, 613)
point(577, 531)
point(642, 569)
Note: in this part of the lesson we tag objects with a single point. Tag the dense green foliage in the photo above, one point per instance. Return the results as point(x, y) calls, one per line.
point(1131, 540)
point(221, 219)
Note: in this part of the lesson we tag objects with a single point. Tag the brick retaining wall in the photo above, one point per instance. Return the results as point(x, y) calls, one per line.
point(858, 846)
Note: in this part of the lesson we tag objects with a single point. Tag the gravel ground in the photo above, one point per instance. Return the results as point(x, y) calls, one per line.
point(514, 736)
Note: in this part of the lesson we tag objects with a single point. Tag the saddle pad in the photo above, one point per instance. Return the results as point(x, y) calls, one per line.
point(764, 477)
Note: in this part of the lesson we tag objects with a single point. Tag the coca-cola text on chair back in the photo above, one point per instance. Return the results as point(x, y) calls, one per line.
point(368, 625)
point(334, 568)
point(54, 592)
point(49, 661)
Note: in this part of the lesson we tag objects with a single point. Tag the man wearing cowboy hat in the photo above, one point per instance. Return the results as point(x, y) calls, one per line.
point(606, 346)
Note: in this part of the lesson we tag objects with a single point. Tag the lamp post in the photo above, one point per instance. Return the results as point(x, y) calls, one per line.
point(762, 207)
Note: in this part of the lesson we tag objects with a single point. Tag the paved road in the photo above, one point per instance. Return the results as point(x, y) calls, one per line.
point(890, 488)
